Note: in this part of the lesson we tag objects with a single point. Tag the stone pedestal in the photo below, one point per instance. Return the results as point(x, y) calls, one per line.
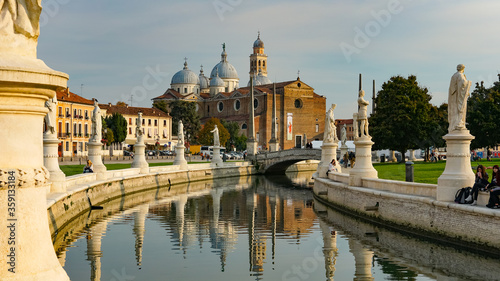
point(363, 167)
point(273, 146)
point(412, 157)
point(252, 147)
point(216, 160)
point(392, 156)
point(24, 180)
point(50, 161)
point(343, 150)
point(328, 152)
point(95, 155)
point(140, 158)
point(458, 172)
point(179, 157)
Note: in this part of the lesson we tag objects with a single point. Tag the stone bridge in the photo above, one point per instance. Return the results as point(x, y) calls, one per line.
point(277, 162)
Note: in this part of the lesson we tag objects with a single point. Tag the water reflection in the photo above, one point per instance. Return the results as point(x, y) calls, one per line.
point(248, 229)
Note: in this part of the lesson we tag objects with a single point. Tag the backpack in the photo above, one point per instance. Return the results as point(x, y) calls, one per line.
point(464, 196)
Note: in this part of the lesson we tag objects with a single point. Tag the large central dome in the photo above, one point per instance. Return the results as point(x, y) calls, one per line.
point(185, 76)
point(224, 68)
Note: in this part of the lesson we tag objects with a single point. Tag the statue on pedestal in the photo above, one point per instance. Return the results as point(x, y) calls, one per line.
point(216, 136)
point(50, 117)
point(457, 99)
point(96, 123)
point(362, 115)
point(330, 135)
point(343, 135)
point(180, 134)
point(24, 17)
point(138, 128)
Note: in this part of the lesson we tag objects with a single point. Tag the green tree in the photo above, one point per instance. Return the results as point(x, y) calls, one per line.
point(241, 143)
point(118, 124)
point(234, 132)
point(185, 111)
point(109, 137)
point(403, 116)
point(207, 138)
point(483, 109)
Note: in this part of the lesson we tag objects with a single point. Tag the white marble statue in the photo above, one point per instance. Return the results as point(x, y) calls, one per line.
point(138, 128)
point(330, 135)
point(343, 135)
point(362, 114)
point(457, 99)
point(355, 125)
point(216, 136)
point(96, 123)
point(20, 17)
point(180, 134)
point(50, 117)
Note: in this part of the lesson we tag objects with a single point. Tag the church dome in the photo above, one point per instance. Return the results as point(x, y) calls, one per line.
point(204, 81)
point(258, 43)
point(185, 76)
point(224, 68)
point(216, 81)
point(260, 80)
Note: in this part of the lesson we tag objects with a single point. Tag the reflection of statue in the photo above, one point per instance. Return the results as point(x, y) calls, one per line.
point(457, 99)
point(50, 117)
point(330, 135)
point(180, 134)
point(216, 136)
point(138, 128)
point(96, 123)
point(362, 114)
point(343, 135)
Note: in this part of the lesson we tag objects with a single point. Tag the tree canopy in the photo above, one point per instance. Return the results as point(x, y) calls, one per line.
point(207, 138)
point(118, 124)
point(483, 109)
point(236, 140)
point(404, 118)
point(185, 111)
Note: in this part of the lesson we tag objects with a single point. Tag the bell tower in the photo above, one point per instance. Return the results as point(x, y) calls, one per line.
point(258, 60)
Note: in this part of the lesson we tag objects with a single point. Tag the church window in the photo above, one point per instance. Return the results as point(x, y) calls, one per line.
point(244, 126)
point(298, 103)
point(264, 63)
point(208, 108)
point(237, 105)
point(317, 128)
point(259, 63)
point(255, 103)
point(220, 106)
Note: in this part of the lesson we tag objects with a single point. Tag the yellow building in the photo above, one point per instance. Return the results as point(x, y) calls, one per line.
point(73, 123)
point(156, 125)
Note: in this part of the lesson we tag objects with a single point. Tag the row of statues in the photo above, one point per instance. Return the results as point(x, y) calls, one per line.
point(457, 110)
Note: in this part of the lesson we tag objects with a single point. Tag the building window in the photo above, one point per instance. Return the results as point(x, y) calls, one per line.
point(130, 121)
point(74, 113)
point(255, 103)
point(156, 122)
point(68, 129)
point(86, 128)
point(129, 130)
point(67, 112)
point(298, 103)
point(165, 123)
point(244, 126)
point(317, 128)
point(86, 114)
point(237, 105)
point(185, 90)
point(149, 122)
point(79, 130)
point(208, 108)
point(67, 146)
point(60, 111)
point(143, 120)
point(220, 106)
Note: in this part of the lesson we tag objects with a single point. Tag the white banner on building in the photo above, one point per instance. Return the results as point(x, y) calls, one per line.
point(289, 126)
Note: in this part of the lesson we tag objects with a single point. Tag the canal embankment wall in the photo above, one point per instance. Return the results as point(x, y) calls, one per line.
point(84, 189)
point(413, 207)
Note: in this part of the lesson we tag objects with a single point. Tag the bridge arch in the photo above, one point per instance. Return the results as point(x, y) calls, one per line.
point(279, 161)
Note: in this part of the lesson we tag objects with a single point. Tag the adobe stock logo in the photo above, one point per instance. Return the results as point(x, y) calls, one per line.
point(363, 37)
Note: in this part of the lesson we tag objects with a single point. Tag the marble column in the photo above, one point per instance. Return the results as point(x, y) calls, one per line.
point(273, 143)
point(95, 155)
point(50, 161)
point(216, 157)
point(328, 152)
point(363, 167)
point(26, 83)
point(251, 142)
point(140, 148)
point(179, 156)
point(363, 261)
point(458, 171)
point(411, 156)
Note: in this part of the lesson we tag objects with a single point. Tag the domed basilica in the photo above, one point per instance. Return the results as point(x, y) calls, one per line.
point(300, 112)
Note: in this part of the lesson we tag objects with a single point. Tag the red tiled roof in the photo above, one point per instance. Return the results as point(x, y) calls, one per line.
point(170, 94)
point(66, 95)
point(129, 110)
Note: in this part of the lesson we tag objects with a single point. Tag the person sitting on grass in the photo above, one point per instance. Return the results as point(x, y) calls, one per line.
point(89, 168)
point(480, 183)
point(494, 189)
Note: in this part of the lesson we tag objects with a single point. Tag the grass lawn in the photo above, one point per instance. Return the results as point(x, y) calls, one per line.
point(423, 172)
point(70, 170)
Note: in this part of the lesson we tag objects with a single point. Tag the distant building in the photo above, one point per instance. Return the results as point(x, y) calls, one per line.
point(300, 111)
point(349, 128)
point(73, 123)
point(156, 125)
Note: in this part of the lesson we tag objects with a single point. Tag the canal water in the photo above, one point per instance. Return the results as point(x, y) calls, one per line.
point(252, 228)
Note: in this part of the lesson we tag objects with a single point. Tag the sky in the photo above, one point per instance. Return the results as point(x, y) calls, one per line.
point(118, 49)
